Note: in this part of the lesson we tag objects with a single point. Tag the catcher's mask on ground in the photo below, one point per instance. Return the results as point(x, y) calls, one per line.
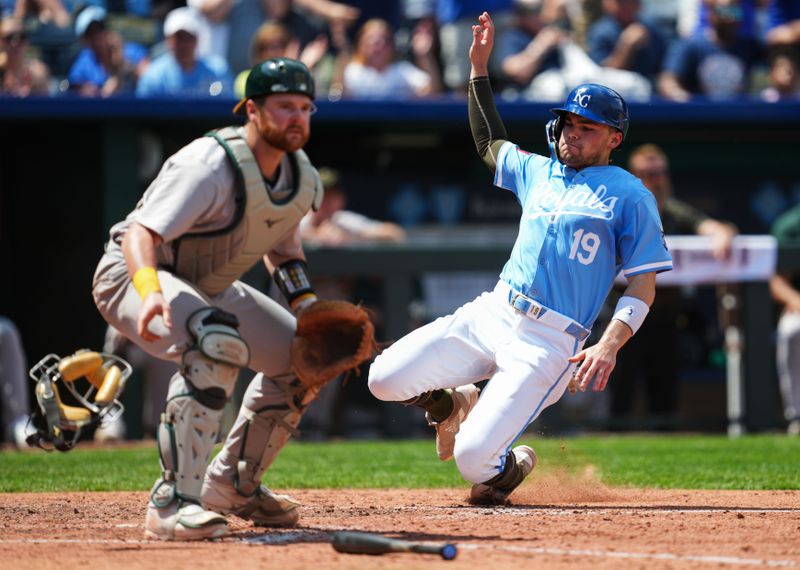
point(91, 381)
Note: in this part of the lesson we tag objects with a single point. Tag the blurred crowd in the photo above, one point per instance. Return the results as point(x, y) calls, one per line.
point(646, 49)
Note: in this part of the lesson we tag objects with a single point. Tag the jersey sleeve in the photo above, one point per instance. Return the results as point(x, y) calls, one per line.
point(180, 197)
point(642, 247)
point(515, 168)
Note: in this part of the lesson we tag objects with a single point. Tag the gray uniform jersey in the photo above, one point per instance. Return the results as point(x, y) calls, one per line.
point(193, 193)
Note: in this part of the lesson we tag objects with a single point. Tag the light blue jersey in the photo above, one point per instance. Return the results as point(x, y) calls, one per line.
point(578, 229)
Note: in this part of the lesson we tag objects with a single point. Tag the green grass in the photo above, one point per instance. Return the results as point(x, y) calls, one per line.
point(694, 462)
point(678, 462)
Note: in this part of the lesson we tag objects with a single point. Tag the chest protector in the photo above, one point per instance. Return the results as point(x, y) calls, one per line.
point(214, 260)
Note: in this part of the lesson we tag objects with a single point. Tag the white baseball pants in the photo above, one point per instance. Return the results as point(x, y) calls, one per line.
point(524, 360)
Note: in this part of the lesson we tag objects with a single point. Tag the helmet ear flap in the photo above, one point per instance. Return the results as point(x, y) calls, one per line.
point(553, 132)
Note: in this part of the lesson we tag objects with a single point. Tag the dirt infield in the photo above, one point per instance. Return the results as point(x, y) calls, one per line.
point(553, 524)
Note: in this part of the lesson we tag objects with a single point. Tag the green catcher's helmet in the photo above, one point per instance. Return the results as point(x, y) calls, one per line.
point(274, 76)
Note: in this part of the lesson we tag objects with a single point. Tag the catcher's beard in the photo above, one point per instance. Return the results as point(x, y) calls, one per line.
point(281, 140)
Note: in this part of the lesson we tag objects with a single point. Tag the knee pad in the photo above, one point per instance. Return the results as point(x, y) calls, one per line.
point(212, 363)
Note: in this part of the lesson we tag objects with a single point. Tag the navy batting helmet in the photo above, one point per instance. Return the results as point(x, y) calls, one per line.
point(595, 102)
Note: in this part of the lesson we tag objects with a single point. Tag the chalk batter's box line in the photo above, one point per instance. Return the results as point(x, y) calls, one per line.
point(295, 536)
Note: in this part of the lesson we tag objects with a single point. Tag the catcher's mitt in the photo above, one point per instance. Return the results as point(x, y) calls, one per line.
point(332, 337)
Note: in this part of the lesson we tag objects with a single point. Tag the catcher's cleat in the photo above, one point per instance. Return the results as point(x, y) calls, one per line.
point(464, 399)
point(183, 521)
point(483, 494)
point(264, 508)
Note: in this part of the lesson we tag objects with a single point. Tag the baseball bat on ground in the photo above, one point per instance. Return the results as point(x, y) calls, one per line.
point(366, 543)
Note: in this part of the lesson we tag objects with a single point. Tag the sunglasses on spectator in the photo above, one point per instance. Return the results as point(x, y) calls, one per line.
point(15, 38)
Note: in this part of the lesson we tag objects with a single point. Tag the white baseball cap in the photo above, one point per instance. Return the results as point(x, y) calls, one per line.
point(87, 17)
point(183, 18)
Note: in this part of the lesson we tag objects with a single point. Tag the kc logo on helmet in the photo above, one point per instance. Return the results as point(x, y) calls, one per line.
point(582, 98)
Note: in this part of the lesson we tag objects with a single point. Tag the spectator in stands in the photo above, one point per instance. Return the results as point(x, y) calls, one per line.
point(784, 75)
point(137, 21)
point(230, 25)
point(333, 225)
point(455, 19)
point(785, 288)
point(375, 73)
point(652, 353)
point(530, 46)
point(107, 65)
point(213, 29)
point(783, 22)
point(715, 63)
point(179, 72)
point(44, 12)
point(140, 8)
point(582, 14)
point(273, 39)
point(20, 73)
point(575, 67)
point(48, 26)
point(14, 395)
point(621, 39)
point(697, 15)
point(650, 163)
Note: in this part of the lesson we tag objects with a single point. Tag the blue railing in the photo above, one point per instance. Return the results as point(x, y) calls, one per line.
point(440, 110)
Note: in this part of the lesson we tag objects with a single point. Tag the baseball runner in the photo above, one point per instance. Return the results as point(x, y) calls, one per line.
point(582, 222)
point(169, 281)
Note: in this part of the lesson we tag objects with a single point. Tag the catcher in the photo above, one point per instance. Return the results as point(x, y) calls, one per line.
point(169, 281)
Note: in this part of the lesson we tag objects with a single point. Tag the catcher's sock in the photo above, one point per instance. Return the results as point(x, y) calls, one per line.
point(438, 404)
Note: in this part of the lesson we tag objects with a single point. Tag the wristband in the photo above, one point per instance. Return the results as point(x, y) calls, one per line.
point(145, 281)
point(303, 301)
point(292, 280)
point(631, 311)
